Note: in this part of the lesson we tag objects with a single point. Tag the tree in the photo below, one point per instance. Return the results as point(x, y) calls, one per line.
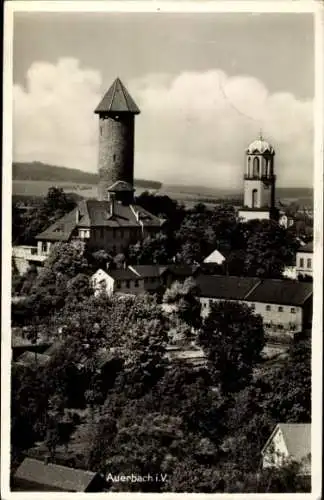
point(184, 300)
point(53, 207)
point(290, 397)
point(232, 338)
point(153, 249)
point(269, 248)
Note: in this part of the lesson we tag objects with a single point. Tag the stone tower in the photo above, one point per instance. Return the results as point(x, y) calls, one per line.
point(259, 181)
point(116, 112)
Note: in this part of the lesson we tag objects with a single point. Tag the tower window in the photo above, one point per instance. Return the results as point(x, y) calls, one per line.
point(114, 157)
point(254, 198)
point(309, 263)
point(256, 167)
point(249, 166)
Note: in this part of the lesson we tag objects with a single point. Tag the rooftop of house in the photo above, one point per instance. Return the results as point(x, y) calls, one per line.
point(94, 213)
point(117, 100)
point(54, 476)
point(149, 271)
point(297, 438)
point(270, 291)
point(182, 270)
point(123, 274)
point(308, 248)
point(285, 292)
point(225, 287)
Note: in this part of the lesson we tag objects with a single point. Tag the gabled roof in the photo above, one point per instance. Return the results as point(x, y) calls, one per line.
point(215, 254)
point(268, 291)
point(285, 292)
point(297, 438)
point(94, 213)
point(54, 476)
point(225, 287)
point(117, 100)
point(61, 230)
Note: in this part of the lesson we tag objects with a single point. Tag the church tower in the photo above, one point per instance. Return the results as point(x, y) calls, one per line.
point(259, 182)
point(116, 112)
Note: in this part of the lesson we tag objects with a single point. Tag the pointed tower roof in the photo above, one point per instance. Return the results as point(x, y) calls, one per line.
point(117, 100)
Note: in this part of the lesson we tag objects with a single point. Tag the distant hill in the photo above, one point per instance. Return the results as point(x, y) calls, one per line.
point(38, 171)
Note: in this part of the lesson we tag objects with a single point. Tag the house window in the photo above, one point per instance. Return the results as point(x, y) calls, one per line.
point(293, 310)
point(118, 284)
point(268, 308)
point(114, 233)
point(101, 232)
point(309, 263)
point(301, 263)
point(121, 233)
point(280, 327)
point(280, 309)
point(136, 283)
point(44, 246)
point(127, 284)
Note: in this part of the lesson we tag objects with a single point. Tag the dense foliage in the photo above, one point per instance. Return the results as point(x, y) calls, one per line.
point(111, 399)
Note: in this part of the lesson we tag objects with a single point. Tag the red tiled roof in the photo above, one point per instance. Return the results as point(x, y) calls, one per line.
point(117, 100)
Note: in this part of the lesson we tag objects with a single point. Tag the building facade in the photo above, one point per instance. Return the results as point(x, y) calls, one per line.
point(285, 306)
point(288, 442)
point(304, 260)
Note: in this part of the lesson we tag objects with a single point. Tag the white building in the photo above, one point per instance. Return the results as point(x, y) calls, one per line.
point(288, 442)
point(285, 306)
point(216, 257)
point(304, 260)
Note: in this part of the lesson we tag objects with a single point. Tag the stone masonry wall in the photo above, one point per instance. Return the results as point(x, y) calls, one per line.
point(116, 152)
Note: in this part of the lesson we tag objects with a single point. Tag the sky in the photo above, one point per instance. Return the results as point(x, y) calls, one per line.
point(205, 83)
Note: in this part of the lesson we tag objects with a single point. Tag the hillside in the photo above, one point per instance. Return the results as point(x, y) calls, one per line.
point(38, 171)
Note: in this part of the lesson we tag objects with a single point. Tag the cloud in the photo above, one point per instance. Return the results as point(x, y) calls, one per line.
point(193, 129)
